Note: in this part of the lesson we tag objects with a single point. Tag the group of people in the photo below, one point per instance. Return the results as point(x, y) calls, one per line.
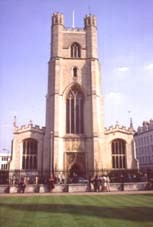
point(22, 181)
point(22, 184)
point(57, 179)
point(99, 183)
point(96, 183)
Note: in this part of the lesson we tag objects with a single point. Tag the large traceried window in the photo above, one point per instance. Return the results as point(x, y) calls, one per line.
point(118, 154)
point(74, 111)
point(75, 50)
point(29, 158)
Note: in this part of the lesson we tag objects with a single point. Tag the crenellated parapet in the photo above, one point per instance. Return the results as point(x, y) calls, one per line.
point(146, 126)
point(89, 21)
point(57, 19)
point(76, 29)
point(119, 128)
point(29, 127)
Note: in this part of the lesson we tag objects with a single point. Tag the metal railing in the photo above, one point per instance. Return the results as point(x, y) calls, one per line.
point(33, 177)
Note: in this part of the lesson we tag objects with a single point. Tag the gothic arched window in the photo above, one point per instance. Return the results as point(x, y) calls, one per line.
point(74, 111)
point(118, 154)
point(29, 158)
point(75, 50)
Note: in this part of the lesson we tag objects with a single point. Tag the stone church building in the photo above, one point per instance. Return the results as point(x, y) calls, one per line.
point(74, 139)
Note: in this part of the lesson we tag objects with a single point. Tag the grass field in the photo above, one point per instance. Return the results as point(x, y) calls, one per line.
point(77, 211)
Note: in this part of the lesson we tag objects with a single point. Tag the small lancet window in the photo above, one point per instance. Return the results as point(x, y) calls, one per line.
point(75, 72)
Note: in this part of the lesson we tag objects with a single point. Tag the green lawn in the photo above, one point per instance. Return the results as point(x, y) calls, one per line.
point(77, 211)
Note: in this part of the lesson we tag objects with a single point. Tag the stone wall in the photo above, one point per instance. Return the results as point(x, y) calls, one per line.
point(43, 188)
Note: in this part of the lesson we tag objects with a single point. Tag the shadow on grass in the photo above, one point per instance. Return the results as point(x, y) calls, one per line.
point(141, 214)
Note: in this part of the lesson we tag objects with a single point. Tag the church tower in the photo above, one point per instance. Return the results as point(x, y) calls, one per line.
point(74, 135)
point(73, 140)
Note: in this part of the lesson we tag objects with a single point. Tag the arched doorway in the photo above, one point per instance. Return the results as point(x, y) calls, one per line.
point(76, 172)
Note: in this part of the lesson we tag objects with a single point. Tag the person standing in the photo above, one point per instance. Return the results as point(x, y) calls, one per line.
point(37, 184)
point(104, 185)
point(107, 183)
point(63, 178)
point(51, 180)
point(96, 184)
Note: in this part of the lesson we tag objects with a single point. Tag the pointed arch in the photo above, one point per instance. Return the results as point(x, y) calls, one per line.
point(74, 84)
point(75, 50)
point(75, 110)
point(76, 169)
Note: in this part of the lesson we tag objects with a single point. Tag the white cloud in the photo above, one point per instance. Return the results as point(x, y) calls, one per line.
point(149, 66)
point(122, 69)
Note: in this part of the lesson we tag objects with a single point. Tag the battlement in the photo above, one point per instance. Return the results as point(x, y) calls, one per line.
point(146, 126)
point(119, 128)
point(89, 20)
point(57, 19)
point(29, 127)
point(77, 29)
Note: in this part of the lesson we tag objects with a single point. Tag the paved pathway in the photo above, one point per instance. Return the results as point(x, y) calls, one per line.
point(76, 193)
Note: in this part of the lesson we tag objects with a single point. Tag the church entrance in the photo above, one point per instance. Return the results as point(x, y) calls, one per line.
point(76, 173)
point(75, 164)
point(76, 170)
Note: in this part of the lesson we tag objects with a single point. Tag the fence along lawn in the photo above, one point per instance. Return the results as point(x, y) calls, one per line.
point(77, 211)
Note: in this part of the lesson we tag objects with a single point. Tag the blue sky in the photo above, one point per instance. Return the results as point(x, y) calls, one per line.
point(125, 41)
